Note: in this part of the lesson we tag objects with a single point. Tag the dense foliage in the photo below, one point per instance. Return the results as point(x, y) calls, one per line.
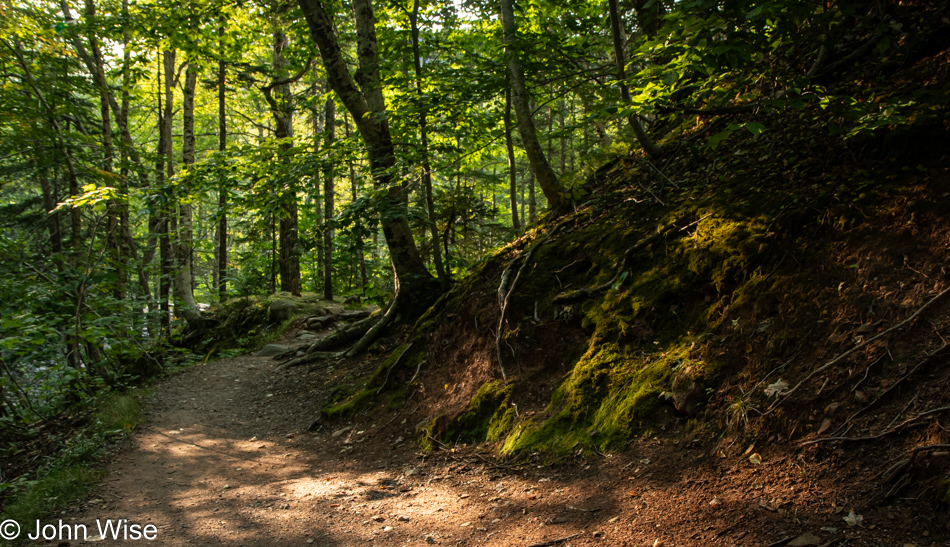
point(158, 158)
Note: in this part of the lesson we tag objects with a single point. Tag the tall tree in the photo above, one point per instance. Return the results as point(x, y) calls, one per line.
point(365, 102)
point(424, 142)
point(328, 194)
point(222, 227)
point(184, 252)
point(512, 167)
point(620, 59)
point(557, 197)
point(164, 172)
point(281, 100)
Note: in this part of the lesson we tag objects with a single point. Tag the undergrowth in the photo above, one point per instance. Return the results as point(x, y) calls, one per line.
point(67, 474)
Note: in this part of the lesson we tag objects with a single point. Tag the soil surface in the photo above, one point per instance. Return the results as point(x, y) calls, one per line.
point(227, 457)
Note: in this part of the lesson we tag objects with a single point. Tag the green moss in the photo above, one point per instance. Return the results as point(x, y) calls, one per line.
point(345, 400)
point(489, 414)
point(396, 400)
point(608, 397)
point(350, 406)
point(425, 433)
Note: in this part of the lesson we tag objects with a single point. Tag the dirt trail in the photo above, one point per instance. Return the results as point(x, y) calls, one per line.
point(226, 458)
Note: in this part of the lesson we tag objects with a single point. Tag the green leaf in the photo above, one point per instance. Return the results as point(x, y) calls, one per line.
point(717, 139)
point(755, 128)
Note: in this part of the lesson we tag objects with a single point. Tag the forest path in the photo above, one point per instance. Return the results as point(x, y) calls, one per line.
point(226, 458)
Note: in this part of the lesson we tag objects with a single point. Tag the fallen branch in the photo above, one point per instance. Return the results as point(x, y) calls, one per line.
point(621, 266)
point(556, 541)
point(841, 357)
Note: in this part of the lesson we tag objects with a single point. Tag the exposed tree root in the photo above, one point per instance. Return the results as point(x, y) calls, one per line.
point(505, 295)
point(910, 373)
point(895, 429)
point(390, 369)
point(375, 330)
point(365, 332)
point(841, 357)
point(309, 358)
point(622, 265)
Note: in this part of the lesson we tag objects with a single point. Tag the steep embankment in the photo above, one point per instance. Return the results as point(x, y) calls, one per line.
point(783, 290)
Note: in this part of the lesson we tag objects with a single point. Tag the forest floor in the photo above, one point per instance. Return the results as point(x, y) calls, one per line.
point(226, 457)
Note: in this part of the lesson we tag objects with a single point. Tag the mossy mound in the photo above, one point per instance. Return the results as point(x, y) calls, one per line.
point(246, 323)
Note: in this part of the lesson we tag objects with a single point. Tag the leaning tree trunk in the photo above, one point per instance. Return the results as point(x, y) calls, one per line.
point(367, 106)
point(557, 197)
point(619, 57)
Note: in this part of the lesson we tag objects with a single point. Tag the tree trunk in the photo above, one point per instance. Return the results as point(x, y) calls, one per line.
point(563, 155)
point(367, 106)
point(126, 245)
point(532, 200)
point(646, 142)
point(122, 121)
point(329, 125)
point(424, 144)
point(558, 199)
point(282, 108)
point(187, 307)
point(512, 168)
point(222, 229)
point(112, 214)
point(316, 123)
point(165, 153)
point(52, 219)
point(361, 255)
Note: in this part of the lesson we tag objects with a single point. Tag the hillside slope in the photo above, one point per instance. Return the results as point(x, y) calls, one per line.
point(780, 293)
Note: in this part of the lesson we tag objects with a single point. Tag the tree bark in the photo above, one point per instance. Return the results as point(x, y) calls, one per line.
point(557, 197)
point(646, 142)
point(222, 228)
point(424, 144)
point(329, 119)
point(166, 169)
point(512, 167)
point(532, 200)
point(282, 108)
point(361, 255)
point(184, 249)
point(367, 106)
